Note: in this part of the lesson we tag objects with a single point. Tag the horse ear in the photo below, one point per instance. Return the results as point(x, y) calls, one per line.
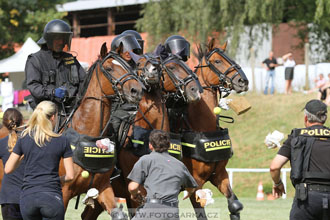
point(210, 46)
point(104, 50)
point(224, 46)
point(120, 48)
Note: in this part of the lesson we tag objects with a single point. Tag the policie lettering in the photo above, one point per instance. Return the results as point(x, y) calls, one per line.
point(217, 145)
point(96, 152)
point(315, 132)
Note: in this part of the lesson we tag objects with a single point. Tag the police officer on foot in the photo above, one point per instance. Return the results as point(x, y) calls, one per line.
point(51, 73)
point(308, 150)
point(162, 176)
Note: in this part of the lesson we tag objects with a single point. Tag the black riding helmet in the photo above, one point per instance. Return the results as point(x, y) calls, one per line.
point(176, 44)
point(138, 38)
point(129, 43)
point(56, 29)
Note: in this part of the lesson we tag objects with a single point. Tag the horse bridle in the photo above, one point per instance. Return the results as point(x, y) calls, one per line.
point(180, 84)
point(130, 75)
point(223, 76)
point(154, 61)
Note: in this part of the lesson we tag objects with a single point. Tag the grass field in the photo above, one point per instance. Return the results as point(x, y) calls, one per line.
point(253, 210)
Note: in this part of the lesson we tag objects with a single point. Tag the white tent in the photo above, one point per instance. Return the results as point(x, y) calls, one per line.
point(15, 64)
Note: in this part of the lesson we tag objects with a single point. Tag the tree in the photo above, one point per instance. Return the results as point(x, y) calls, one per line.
point(199, 19)
point(20, 19)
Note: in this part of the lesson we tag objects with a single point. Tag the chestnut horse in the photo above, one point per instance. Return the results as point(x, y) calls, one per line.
point(216, 73)
point(106, 78)
point(176, 80)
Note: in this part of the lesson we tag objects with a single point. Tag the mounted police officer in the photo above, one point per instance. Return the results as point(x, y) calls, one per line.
point(51, 73)
point(308, 150)
point(162, 176)
point(138, 37)
point(124, 45)
point(177, 44)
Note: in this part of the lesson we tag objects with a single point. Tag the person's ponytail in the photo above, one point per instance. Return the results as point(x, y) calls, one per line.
point(12, 119)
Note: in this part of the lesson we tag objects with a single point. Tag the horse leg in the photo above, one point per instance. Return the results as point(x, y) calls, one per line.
point(92, 213)
point(107, 200)
point(201, 172)
point(67, 195)
point(221, 181)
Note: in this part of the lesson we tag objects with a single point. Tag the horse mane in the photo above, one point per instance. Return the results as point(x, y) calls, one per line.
point(83, 88)
point(200, 53)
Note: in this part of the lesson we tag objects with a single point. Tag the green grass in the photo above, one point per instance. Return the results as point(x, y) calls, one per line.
point(253, 210)
point(268, 113)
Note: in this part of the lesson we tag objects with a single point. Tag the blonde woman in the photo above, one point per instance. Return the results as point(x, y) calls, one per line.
point(11, 183)
point(41, 195)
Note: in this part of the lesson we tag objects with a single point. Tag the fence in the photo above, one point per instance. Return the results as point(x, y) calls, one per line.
point(256, 170)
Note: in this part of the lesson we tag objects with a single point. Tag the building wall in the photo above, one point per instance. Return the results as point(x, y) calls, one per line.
point(284, 40)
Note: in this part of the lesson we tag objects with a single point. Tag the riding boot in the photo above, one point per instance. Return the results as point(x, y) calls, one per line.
point(235, 216)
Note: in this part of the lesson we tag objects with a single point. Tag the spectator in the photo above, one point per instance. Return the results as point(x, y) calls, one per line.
point(11, 183)
point(162, 176)
point(269, 64)
point(289, 65)
point(319, 83)
point(42, 149)
point(324, 92)
point(7, 93)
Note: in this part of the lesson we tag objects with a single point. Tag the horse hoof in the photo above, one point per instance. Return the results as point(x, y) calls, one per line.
point(118, 214)
point(235, 217)
point(235, 207)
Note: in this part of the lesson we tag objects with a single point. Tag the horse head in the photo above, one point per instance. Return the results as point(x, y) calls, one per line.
point(125, 83)
point(180, 80)
point(217, 69)
point(148, 68)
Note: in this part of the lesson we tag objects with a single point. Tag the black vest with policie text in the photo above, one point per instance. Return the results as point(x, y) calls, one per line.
point(301, 148)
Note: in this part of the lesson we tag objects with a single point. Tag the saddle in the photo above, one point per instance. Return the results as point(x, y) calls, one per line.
point(87, 155)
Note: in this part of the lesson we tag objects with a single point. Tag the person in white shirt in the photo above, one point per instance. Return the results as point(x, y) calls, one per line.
point(289, 65)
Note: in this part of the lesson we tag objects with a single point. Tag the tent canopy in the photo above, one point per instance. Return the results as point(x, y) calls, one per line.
point(16, 62)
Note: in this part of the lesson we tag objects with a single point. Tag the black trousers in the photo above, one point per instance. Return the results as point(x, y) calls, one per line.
point(11, 212)
point(315, 207)
point(42, 205)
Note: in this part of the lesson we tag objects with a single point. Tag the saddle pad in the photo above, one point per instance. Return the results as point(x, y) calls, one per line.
point(140, 143)
point(207, 146)
point(87, 155)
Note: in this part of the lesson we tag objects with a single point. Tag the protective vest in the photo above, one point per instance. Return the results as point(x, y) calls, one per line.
point(301, 148)
point(56, 72)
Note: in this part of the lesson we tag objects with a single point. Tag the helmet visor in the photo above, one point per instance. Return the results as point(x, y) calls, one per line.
point(59, 42)
point(179, 47)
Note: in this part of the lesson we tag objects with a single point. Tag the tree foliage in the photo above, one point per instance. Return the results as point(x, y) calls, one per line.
point(20, 19)
point(199, 19)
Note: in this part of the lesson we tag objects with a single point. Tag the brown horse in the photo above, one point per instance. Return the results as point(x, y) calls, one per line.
point(176, 78)
point(106, 78)
point(216, 73)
